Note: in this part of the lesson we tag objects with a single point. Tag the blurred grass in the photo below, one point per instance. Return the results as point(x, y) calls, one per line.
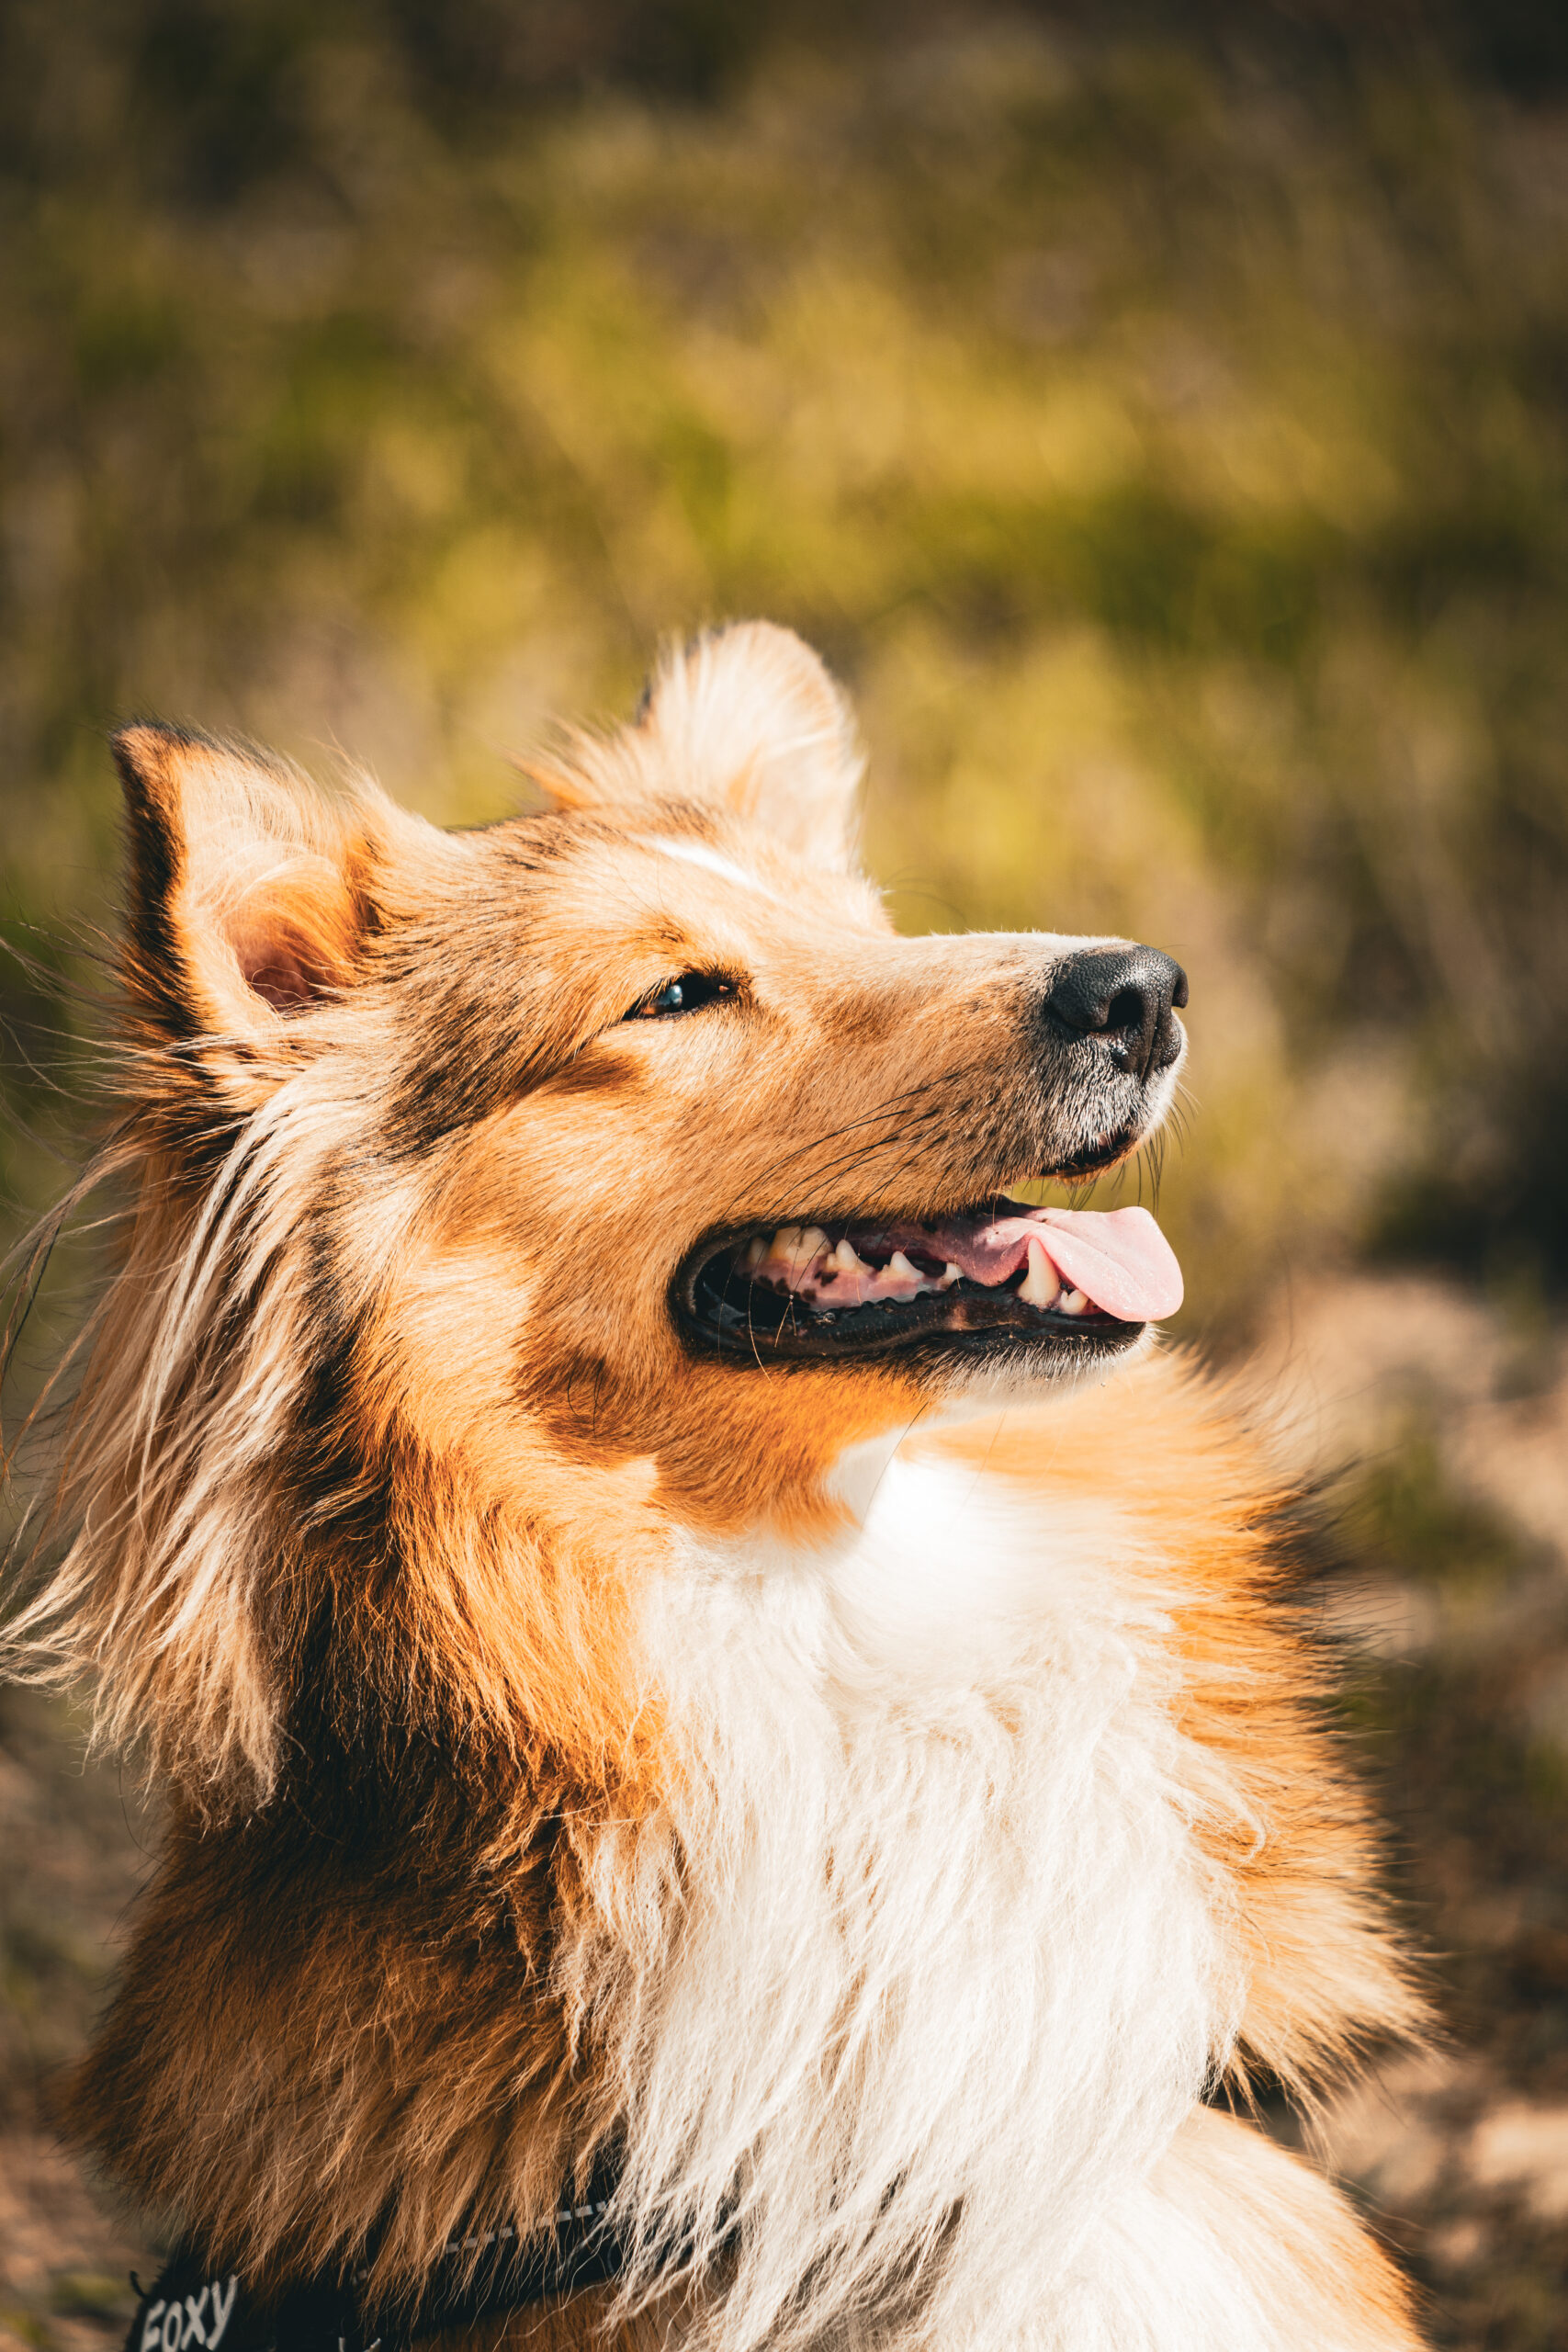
point(1159, 418)
point(1156, 413)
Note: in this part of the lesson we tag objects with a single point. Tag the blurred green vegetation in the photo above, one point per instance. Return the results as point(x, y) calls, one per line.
point(1157, 416)
point(1160, 416)
point(1404, 1518)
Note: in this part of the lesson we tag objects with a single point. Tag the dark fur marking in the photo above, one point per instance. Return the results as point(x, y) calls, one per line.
point(156, 864)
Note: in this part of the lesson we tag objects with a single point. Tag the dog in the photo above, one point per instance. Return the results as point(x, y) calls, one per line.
point(740, 1771)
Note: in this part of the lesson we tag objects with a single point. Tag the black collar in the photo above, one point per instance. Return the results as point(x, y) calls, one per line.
point(188, 2309)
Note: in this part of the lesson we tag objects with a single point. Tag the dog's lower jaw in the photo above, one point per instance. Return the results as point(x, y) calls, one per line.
point(967, 1392)
point(964, 1389)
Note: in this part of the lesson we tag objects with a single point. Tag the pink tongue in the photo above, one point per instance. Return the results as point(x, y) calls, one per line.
point(1119, 1258)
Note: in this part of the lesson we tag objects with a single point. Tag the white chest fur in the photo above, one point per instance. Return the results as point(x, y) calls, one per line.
point(925, 1955)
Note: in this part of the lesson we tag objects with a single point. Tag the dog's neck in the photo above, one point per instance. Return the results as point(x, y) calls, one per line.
point(917, 1952)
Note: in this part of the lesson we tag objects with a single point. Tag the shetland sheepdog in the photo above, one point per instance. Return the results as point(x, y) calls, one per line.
point(709, 1671)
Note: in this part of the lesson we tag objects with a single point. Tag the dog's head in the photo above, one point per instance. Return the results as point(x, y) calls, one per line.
point(612, 1161)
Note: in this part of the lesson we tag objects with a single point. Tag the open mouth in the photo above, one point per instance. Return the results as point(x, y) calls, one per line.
point(982, 1280)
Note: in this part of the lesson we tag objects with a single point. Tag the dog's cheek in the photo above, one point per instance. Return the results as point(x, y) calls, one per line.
point(439, 1359)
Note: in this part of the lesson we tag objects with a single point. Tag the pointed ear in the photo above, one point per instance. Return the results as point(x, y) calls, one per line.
point(246, 898)
point(746, 718)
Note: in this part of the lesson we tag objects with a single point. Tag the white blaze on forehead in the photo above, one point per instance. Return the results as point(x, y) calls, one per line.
point(712, 861)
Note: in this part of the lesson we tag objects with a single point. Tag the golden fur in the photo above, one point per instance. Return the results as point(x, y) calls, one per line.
point(388, 1465)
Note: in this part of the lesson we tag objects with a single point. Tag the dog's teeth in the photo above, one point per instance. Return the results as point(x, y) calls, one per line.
point(900, 1267)
point(753, 1254)
point(951, 1275)
point(1072, 1301)
point(786, 1241)
point(845, 1260)
point(1042, 1285)
point(813, 1239)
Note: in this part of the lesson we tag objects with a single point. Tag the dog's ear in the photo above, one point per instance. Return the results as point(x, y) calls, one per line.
point(746, 718)
point(247, 904)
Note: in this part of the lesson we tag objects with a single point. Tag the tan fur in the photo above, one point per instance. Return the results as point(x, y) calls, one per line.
point(387, 1454)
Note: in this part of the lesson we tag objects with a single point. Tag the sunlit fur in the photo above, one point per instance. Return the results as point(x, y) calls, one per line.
point(875, 1804)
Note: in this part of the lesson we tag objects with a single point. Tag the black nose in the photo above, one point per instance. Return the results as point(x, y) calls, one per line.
point(1122, 996)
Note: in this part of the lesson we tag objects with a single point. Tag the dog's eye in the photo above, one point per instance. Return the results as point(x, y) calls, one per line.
point(687, 994)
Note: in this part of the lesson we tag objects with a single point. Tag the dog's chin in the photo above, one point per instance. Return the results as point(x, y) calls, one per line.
point(793, 1296)
point(971, 1382)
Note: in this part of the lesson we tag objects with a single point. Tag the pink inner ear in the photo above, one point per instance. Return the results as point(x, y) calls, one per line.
point(281, 978)
point(288, 925)
point(280, 964)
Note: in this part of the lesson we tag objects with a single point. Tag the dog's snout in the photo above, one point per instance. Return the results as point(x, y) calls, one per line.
point(1122, 998)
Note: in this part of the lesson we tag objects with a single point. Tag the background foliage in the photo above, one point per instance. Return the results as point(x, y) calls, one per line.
point(1159, 421)
point(1160, 416)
